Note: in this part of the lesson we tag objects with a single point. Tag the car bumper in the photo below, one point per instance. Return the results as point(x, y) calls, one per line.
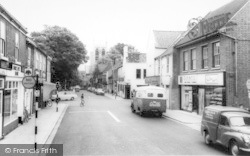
point(245, 149)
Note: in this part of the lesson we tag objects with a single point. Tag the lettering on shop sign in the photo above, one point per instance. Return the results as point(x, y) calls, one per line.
point(212, 79)
point(209, 25)
point(188, 79)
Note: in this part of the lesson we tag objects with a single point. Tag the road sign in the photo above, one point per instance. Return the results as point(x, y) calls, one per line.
point(28, 72)
point(28, 82)
point(248, 84)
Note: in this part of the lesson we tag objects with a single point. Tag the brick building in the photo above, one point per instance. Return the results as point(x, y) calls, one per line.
point(214, 59)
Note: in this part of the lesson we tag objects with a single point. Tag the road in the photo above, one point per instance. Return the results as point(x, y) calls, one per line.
point(106, 126)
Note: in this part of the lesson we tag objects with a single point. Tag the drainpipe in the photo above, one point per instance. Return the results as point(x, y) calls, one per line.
point(236, 62)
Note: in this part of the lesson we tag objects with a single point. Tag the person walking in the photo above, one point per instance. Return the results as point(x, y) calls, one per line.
point(82, 100)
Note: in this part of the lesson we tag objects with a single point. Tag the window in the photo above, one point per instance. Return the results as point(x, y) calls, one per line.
point(29, 57)
point(167, 64)
point(10, 101)
point(193, 59)
point(204, 56)
point(159, 67)
point(138, 73)
point(216, 54)
point(159, 95)
point(145, 73)
point(224, 121)
point(103, 52)
point(185, 60)
point(2, 38)
point(17, 46)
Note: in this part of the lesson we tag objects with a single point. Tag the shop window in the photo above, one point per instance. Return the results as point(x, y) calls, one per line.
point(193, 59)
point(216, 54)
point(185, 61)
point(138, 73)
point(204, 57)
point(215, 96)
point(10, 101)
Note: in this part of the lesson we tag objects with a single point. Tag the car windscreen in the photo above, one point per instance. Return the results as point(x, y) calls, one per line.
point(240, 121)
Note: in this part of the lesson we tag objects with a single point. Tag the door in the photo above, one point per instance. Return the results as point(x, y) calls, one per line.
point(201, 100)
point(127, 92)
point(1, 114)
point(222, 130)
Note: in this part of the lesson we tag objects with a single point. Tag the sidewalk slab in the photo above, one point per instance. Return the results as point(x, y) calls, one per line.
point(186, 118)
point(46, 121)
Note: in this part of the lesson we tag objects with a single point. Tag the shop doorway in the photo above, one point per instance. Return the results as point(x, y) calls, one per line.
point(195, 100)
point(127, 92)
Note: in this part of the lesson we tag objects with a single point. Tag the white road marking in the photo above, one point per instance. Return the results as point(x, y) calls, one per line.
point(114, 117)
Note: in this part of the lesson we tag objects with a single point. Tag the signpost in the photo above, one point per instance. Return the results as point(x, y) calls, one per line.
point(57, 98)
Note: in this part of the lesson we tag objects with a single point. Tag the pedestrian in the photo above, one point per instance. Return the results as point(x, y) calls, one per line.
point(115, 94)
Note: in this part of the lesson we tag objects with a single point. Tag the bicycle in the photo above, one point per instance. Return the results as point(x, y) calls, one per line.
point(49, 102)
point(82, 103)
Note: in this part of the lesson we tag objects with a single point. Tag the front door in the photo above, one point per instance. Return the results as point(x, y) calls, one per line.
point(127, 92)
point(1, 114)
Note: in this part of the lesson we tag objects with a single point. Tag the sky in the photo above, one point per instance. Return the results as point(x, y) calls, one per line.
point(108, 22)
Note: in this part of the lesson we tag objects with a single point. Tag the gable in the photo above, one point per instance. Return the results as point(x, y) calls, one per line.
point(213, 21)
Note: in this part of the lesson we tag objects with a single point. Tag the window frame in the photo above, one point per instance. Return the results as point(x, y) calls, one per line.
point(203, 58)
point(3, 37)
point(138, 73)
point(185, 60)
point(17, 40)
point(216, 54)
point(193, 60)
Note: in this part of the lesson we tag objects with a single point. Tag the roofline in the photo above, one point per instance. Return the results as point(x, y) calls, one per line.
point(12, 19)
point(197, 39)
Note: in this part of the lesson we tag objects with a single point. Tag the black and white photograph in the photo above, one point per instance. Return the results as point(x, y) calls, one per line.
point(124, 77)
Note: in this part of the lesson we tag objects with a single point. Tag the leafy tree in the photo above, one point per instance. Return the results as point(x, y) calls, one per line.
point(66, 50)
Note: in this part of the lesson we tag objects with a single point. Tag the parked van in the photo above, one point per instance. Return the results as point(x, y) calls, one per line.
point(149, 99)
point(228, 126)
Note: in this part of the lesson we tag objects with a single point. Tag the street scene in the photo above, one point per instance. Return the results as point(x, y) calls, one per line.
point(124, 77)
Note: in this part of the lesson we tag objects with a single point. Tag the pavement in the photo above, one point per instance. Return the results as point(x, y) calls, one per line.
point(192, 120)
point(46, 122)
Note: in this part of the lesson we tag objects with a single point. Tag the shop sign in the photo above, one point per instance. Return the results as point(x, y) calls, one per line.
point(215, 79)
point(154, 80)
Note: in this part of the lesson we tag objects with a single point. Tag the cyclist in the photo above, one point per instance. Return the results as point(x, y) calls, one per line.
point(82, 99)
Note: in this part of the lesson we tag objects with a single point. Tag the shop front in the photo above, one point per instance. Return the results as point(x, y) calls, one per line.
point(201, 90)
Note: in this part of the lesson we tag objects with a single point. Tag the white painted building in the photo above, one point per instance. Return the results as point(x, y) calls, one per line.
point(132, 73)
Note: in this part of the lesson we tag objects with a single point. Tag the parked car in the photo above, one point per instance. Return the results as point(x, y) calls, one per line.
point(228, 126)
point(99, 91)
point(149, 99)
point(64, 95)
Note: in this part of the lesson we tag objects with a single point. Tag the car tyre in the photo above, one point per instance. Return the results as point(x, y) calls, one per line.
point(72, 98)
point(141, 113)
point(207, 138)
point(234, 148)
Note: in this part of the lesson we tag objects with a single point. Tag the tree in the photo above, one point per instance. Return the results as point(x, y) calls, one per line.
point(66, 50)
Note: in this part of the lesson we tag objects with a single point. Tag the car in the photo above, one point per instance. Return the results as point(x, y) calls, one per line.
point(99, 91)
point(65, 95)
point(227, 126)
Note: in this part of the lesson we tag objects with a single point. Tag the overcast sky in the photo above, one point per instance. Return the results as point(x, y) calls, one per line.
point(108, 22)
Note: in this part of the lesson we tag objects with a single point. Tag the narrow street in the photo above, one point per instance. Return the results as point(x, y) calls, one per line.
point(108, 127)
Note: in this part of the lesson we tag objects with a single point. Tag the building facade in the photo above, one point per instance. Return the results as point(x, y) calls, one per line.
point(16, 57)
point(214, 59)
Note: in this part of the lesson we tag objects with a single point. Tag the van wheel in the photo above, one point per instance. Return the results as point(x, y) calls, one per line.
point(207, 138)
point(72, 98)
point(234, 148)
